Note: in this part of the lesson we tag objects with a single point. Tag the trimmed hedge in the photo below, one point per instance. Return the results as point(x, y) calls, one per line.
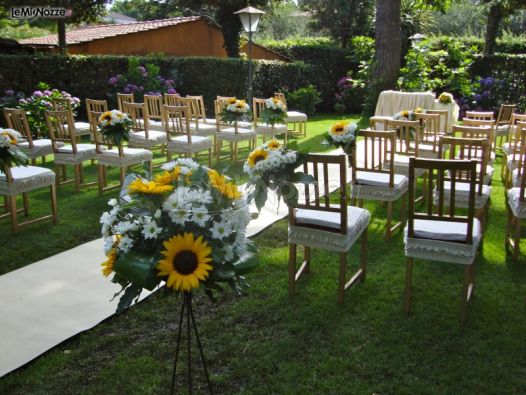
point(87, 76)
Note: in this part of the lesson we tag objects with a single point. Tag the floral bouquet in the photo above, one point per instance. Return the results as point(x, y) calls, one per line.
point(115, 125)
point(186, 228)
point(274, 111)
point(343, 135)
point(10, 154)
point(445, 98)
point(235, 110)
point(408, 115)
point(272, 166)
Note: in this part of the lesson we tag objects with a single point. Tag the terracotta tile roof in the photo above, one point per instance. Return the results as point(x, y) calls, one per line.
point(97, 32)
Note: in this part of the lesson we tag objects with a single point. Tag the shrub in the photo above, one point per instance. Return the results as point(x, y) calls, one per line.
point(304, 99)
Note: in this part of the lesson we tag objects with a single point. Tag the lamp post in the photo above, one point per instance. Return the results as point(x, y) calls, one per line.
point(249, 18)
point(417, 38)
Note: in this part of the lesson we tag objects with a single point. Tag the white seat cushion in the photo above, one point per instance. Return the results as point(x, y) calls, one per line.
point(516, 180)
point(65, 154)
point(462, 195)
point(268, 130)
point(375, 186)
point(508, 148)
point(41, 147)
point(155, 137)
point(401, 165)
point(209, 121)
point(180, 144)
point(357, 222)
point(295, 116)
point(426, 150)
point(203, 129)
point(132, 156)
point(81, 128)
point(25, 179)
point(441, 241)
point(229, 134)
point(502, 130)
point(518, 207)
point(156, 125)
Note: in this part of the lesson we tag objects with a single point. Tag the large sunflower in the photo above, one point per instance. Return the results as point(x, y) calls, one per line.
point(338, 128)
point(232, 100)
point(219, 182)
point(148, 187)
point(256, 156)
point(105, 116)
point(107, 266)
point(273, 144)
point(185, 262)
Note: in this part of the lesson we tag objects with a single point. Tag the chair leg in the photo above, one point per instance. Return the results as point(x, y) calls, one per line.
point(12, 209)
point(54, 216)
point(25, 197)
point(402, 209)
point(210, 158)
point(122, 174)
point(77, 178)
point(517, 238)
point(341, 277)
point(306, 255)
point(363, 254)
point(292, 268)
point(235, 152)
point(101, 178)
point(64, 173)
point(408, 284)
point(389, 220)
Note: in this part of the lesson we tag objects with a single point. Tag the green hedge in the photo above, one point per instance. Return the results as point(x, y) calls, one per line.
point(87, 76)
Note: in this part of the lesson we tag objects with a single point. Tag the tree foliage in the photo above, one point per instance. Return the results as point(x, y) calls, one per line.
point(147, 10)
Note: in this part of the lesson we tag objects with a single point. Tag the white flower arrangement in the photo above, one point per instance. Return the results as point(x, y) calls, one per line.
point(116, 125)
point(274, 111)
point(343, 135)
point(10, 153)
point(235, 110)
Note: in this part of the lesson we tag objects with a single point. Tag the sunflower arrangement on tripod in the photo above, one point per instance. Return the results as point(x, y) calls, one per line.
point(185, 228)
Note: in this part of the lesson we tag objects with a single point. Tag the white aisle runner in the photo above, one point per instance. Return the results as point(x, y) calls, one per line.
point(49, 301)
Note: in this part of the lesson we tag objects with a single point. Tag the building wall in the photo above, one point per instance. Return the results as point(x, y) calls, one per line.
point(186, 39)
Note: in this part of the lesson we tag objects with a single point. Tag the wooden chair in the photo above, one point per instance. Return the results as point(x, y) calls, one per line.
point(21, 180)
point(81, 128)
point(109, 154)
point(180, 138)
point(66, 149)
point(170, 99)
point(200, 111)
point(123, 98)
point(154, 107)
point(482, 123)
point(514, 161)
point(233, 134)
point(407, 143)
point(93, 105)
point(429, 129)
point(503, 123)
point(197, 126)
point(480, 115)
point(294, 117)
point(471, 149)
point(141, 135)
point(316, 223)
point(262, 128)
point(379, 122)
point(440, 234)
point(443, 124)
point(516, 207)
point(507, 147)
point(371, 180)
point(33, 148)
point(479, 132)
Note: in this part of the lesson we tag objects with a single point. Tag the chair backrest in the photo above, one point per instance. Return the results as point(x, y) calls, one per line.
point(93, 105)
point(219, 106)
point(443, 124)
point(192, 106)
point(378, 152)
point(61, 129)
point(281, 96)
point(224, 98)
point(442, 208)
point(138, 114)
point(63, 104)
point(430, 125)
point(478, 132)
point(16, 119)
point(199, 110)
point(518, 147)
point(481, 115)
point(154, 105)
point(471, 149)
point(176, 121)
point(375, 121)
point(171, 98)
point(505, 114)
point(123, 98)
point(101, 142)
point(407, 136)
point(258, 105)
point(315, 196)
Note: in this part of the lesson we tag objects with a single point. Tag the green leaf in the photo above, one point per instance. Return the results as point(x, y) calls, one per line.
point(302, 177)
point(260, 195)
point(224, 272)
point(131, 293)
point(138, 268)
point(246, 263)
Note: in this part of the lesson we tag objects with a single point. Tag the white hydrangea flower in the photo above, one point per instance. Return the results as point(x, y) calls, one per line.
point(221, 230)
point(125, 244)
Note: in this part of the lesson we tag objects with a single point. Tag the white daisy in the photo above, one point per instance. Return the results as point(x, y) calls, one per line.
point(221, 230)
point(180, 214)
point(200, 215)
point(125, 244)
point(151, 230)
point(108, 245)
point(157, 214)
point(113, 202)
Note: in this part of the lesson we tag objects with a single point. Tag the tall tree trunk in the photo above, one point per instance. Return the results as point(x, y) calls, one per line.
point(388, 49)
point(61, 31)
point(494, 19)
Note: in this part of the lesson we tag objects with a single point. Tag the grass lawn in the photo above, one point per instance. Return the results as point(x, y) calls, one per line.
point(266, 342)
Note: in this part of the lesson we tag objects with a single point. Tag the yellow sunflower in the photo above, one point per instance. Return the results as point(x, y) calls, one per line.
point(232, 100)
point(219, 182)
point(148, 187)
point(107, 266)
point(185, 262)
point(273, 144)
point(418, 110)
point(405, 114)
point(12, 140)
point(106, 116)
point(338, 128)
point(256, 156)
point(240, 104)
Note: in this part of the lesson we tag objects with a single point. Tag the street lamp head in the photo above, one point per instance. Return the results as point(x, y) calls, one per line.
point(250, 18)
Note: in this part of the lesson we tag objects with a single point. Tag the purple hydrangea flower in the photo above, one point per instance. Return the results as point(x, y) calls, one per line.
point(140, 88)
point(486, 94)
point(482, 82)
point(22, 101)
point(46, 93)
point(477, 97)
point(9, 92)
point(489, 81)
point(171, 91)
point(113, 81)
point(37, 94)
point(141, 69)
point(126, 89)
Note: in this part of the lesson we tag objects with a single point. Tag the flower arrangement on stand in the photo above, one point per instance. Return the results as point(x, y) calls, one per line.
point(185, 229)
point(272, 166)
point(408, 115)
point(343, 135)
point(274, 111)
point(10, 154)
point(445, 98)
point(236, 110)
point(115, 125)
